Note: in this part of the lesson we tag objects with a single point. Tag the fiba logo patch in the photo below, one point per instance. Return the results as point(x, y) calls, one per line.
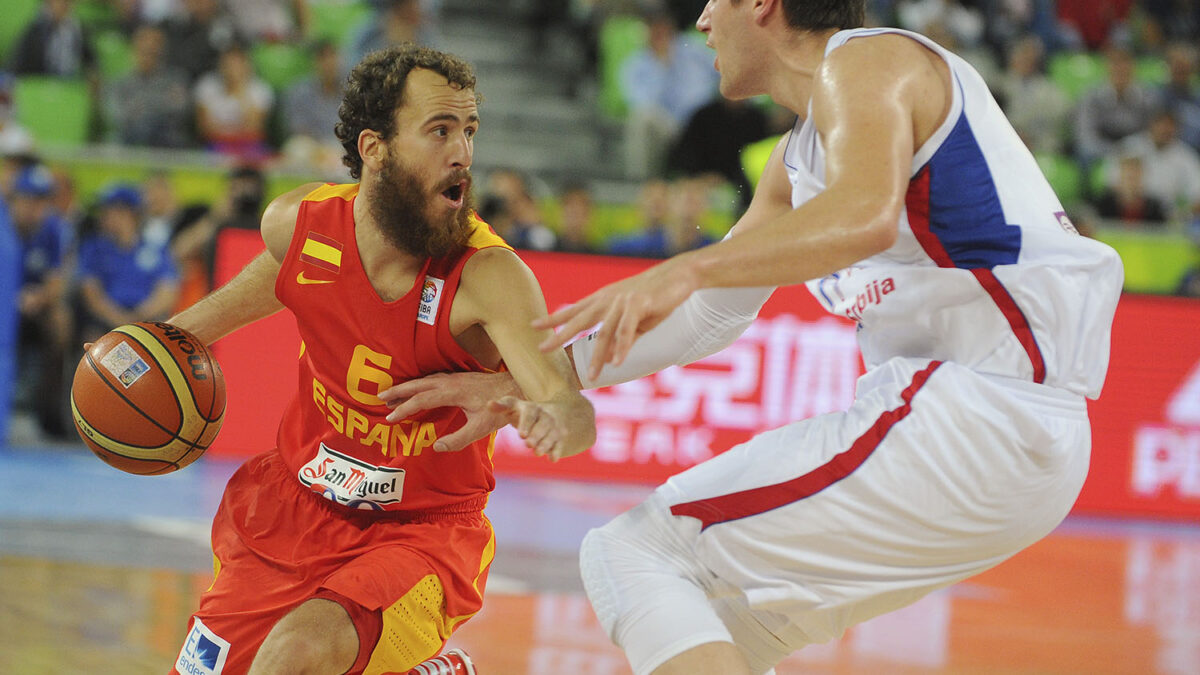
point(431, 291)
point(204, 652)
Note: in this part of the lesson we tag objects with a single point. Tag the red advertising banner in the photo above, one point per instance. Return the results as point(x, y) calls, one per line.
point(794, 362)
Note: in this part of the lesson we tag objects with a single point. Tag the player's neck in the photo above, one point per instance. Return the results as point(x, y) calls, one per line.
point(796, 60)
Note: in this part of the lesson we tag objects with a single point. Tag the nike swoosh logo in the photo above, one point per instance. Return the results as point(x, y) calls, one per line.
point(303, 280)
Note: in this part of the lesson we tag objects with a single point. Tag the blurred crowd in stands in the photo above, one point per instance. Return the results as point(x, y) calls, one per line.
point(1105, 93)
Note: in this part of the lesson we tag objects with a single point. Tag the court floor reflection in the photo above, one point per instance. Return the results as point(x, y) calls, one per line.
point(99, 572)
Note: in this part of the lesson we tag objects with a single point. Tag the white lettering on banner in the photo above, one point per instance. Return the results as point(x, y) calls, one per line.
point(780, 370)
point(1183, 408)
point(785, 369)
point(1166, 457)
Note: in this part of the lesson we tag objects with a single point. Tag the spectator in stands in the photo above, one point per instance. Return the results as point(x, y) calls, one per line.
point(1035, 106)
point(712, 141)
point(165, 219)
point(45, 326)
point(1096, 22)
point(122, 277)
point(240, 208)
point(575, 235)
point(64, 202)
point(1174, 20)
point(55, 43)
point(520, 219)
point(270, 20)
point(150, 106)
point(10, 167)
point(1113, 110)
point(1181, 93)
point(663, 83)
point(1127, 201)
point(233, 107)
point(964, 22)
point(681, 230)
point(311, 110)
point(393, 22)
point(1171, 167)
point(197, 38)
point(14, 138)
point(1007, 22)
point(10, 272)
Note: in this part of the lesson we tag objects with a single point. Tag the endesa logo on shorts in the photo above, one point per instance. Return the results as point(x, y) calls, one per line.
point(352, 482)
point(204, 652)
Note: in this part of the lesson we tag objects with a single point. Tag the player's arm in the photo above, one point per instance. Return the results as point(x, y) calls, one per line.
point(501, 294)
point(250, 295)
point(863, 106)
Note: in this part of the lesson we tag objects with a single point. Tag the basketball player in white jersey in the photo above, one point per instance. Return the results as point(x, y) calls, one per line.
point(906, 202)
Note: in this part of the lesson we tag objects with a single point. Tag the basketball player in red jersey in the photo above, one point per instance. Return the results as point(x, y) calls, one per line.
point(355, 546)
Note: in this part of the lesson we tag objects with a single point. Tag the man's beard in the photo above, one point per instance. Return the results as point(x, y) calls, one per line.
point(401, 208)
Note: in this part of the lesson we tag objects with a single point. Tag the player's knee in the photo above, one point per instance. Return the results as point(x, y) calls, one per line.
point(617, 563)
point(317, 637)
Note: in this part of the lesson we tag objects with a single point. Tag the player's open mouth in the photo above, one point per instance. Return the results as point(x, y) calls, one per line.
point(455, 193)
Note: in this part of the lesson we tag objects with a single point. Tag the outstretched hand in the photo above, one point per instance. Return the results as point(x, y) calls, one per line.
point(625, 309)
point(469, 391)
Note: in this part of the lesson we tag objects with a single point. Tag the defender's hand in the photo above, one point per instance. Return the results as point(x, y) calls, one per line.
point(470, 392)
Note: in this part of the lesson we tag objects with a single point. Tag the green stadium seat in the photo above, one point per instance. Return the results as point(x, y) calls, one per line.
point(281, 65)
point(1076, 72)
point(17, 15)
point(620, 36)
point(57, 111)
point(1151, 70)
point(1064, 176)
point(114, 53)
point(336, 21)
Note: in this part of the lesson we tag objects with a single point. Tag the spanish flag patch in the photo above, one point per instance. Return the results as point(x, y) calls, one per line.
point(322, 251)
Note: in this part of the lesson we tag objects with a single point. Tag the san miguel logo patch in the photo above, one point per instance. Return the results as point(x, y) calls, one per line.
point(431, 293)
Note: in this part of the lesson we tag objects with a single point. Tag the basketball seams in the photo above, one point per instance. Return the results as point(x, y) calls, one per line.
point(129, 447)
point(179, 450)
point(174, 374)
point(132, 406)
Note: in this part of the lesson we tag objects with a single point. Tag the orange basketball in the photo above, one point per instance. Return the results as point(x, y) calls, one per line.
point(148, 398)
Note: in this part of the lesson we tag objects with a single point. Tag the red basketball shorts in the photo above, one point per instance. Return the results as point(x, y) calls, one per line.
point(406, 581)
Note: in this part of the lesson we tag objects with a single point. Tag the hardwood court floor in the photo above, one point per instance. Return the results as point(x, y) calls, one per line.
point(99, 572)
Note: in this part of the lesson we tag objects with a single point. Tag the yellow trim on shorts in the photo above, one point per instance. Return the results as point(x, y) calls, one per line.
point(414, 628)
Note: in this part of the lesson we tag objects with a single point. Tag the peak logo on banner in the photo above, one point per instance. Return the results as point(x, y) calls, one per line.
point(1167, 457)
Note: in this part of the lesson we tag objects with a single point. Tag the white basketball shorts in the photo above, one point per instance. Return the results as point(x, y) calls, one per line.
point(936, 473)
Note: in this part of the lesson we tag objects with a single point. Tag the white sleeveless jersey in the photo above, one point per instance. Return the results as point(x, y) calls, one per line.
point(987, 270)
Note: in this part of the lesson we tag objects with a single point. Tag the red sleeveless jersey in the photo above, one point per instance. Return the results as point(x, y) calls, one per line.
point(333, 436)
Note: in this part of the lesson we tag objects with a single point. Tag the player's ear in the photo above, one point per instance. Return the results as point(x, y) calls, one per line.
point(372, 148)
point(763, 9)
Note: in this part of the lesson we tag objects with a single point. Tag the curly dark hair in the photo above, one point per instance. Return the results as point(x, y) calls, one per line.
point(375, 90)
